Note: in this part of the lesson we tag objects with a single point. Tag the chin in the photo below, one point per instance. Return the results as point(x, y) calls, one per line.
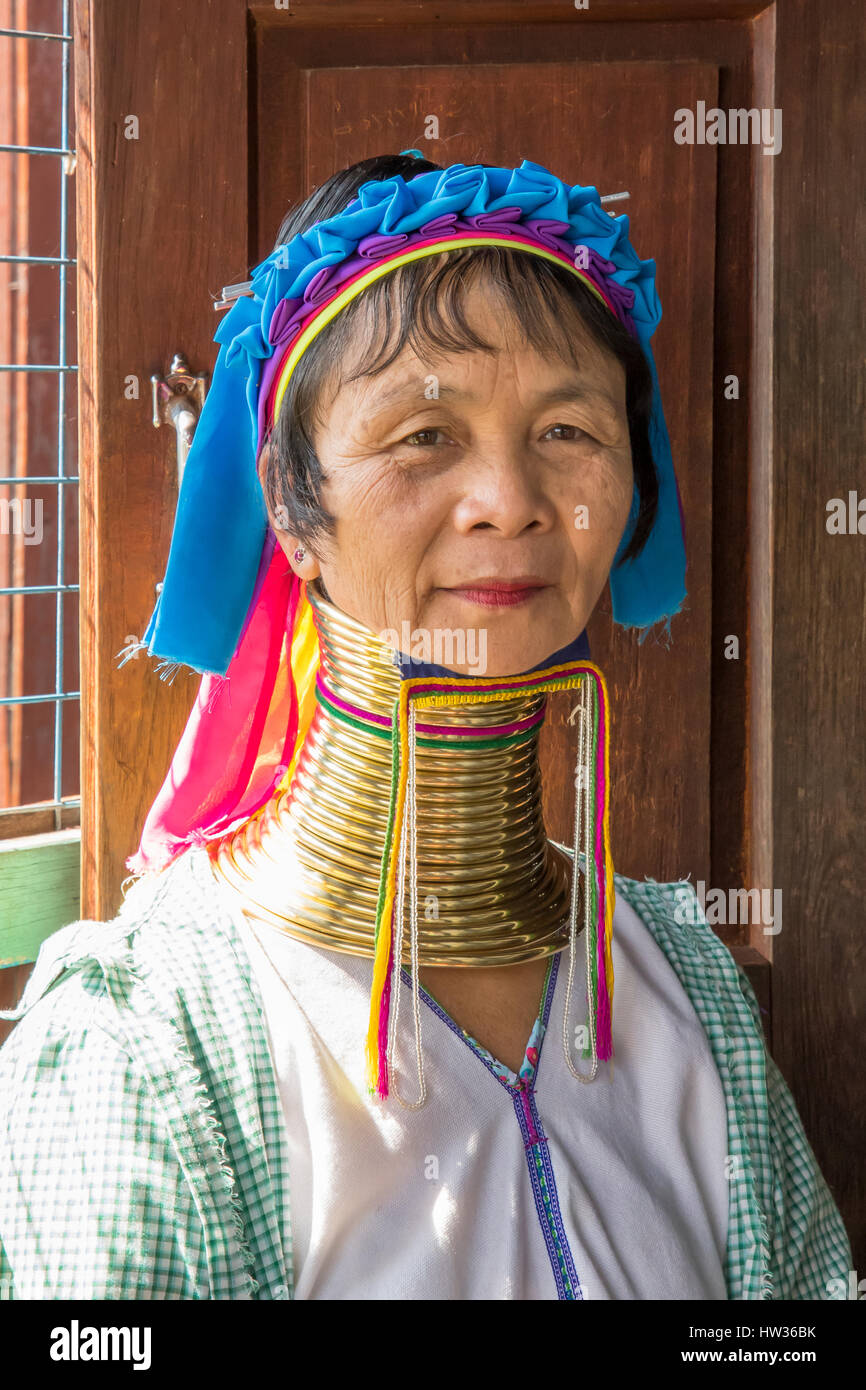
point(514, 635)
point(489, 642)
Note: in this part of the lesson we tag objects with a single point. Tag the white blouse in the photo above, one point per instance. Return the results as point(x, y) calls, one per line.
point(500, 1187)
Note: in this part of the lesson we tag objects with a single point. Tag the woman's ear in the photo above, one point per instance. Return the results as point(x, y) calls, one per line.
point(301, 559)
point(298, 554)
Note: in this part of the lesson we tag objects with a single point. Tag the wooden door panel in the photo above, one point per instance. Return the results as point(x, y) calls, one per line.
point(162, 225)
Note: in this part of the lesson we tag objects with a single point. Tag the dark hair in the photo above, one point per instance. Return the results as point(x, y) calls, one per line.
point(428, 294)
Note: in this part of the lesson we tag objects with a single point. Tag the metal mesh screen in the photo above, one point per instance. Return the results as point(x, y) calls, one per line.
point(39, 710)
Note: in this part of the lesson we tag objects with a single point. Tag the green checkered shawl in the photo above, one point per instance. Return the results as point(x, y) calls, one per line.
point(142, 1145)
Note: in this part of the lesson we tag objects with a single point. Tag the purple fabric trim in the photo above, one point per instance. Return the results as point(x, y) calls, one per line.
point(440, 1012)
point(381, 719)
point(538, 1155)
point(534, 1138)
point(289, 314)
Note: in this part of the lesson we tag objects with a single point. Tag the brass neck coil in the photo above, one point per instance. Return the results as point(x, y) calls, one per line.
point(492, 889)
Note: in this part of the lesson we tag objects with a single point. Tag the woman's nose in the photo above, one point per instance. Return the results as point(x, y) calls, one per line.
point(502, 490)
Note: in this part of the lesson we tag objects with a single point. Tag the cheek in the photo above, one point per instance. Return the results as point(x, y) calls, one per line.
point(601, 496)
point(384, 494)
point(380, 511)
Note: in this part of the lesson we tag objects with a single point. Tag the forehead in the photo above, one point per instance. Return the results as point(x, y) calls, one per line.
point(404, 385)
point(390, 340)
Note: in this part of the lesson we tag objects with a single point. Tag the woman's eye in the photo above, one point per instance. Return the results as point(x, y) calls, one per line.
point(576, 432)
point(417, 436)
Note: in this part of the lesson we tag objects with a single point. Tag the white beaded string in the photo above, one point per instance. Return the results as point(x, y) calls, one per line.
point(411, 804)
point(582, 801)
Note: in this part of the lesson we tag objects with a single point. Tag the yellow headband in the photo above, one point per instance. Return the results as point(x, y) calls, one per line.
point(331, 310)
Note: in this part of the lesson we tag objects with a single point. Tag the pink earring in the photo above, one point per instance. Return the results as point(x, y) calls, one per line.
point(300, 555)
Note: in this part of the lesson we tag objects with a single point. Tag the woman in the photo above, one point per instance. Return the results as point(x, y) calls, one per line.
point(189, 1109)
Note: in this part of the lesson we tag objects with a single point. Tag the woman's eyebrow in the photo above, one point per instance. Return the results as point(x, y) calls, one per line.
point(577, 391)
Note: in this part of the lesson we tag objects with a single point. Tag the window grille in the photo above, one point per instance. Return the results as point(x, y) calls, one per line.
point(28, 626)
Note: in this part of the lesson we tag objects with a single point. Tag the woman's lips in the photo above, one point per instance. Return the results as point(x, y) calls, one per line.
point(499, 593)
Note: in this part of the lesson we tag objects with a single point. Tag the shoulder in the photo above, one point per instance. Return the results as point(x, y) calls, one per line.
point(92, 1198)
point(87, 1171)
point(113, 1101)
point(671, 914)
point(171, 929)
point(787, 1239)
point(168, 975)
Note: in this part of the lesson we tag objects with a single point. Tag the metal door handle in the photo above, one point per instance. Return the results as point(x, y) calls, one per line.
point(177, 400)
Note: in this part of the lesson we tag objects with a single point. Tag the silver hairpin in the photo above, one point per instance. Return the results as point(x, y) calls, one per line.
point(230, 293)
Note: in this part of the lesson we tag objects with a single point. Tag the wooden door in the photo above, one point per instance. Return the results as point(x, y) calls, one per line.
point(201, 122)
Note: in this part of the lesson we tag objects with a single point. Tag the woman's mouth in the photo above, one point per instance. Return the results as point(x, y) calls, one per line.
point(499, 593)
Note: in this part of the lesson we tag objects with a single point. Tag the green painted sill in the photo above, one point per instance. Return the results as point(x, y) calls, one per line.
point(40, 891)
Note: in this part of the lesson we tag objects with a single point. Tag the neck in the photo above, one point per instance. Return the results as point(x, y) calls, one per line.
point(491, 888)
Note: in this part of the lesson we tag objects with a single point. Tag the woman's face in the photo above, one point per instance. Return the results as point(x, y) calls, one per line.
point(481, 495)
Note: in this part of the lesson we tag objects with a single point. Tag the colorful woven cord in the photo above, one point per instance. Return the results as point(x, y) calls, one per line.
point(425, 693)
